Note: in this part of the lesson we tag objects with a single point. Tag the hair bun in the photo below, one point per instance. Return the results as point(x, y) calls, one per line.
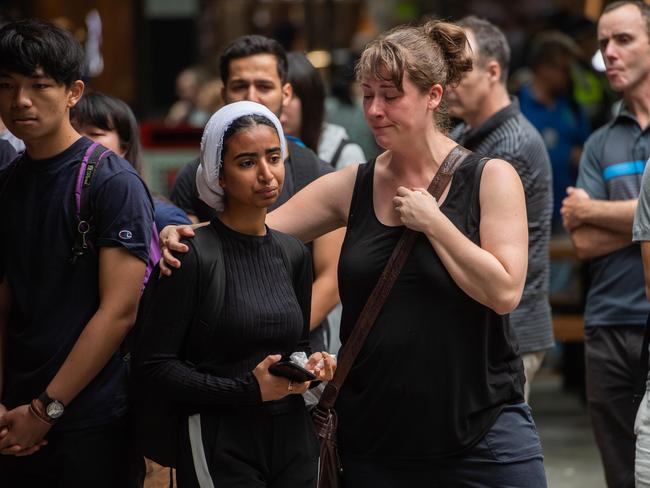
point(454, 47)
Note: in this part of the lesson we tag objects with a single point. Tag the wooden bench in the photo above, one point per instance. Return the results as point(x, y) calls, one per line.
point(567, 327)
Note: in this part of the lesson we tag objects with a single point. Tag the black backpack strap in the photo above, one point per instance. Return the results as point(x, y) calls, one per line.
point(641, 383)
point(83, 208)
point(212, 285)
point(305, 166)
point(157, 421)
point(337, 154)
point(130, 344)
point(211, 280)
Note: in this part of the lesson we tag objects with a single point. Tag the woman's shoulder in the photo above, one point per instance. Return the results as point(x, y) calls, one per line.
point(475, 162)
point(499, 168)
point(499, 177)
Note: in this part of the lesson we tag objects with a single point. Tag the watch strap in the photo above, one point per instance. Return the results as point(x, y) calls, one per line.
point(38, 411)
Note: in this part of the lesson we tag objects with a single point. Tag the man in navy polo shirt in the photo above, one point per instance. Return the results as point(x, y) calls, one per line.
point(599, 214)
point(63, 401)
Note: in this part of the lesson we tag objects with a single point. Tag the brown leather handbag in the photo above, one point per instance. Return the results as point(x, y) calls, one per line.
point(324, 416)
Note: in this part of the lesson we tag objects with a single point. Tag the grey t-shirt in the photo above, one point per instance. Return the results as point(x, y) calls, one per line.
point(641, 228)
point(610, 169)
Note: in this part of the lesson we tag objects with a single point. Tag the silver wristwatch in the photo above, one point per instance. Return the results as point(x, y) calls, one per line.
point(53, 408)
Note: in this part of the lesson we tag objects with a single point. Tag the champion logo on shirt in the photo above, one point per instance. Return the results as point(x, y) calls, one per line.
point(125, 235)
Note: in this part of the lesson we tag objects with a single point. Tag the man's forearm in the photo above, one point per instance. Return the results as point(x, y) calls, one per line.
point(591, 242)
point(616, 216)
point(325, 291)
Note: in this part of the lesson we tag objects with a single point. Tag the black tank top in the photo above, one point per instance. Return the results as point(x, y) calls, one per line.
point(437, 366)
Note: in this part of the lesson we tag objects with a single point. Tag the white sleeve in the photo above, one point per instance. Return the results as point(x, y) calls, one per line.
point(351, 154)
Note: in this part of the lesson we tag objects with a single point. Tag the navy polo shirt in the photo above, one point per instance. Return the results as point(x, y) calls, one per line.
point(611, 168)
point(53, 300)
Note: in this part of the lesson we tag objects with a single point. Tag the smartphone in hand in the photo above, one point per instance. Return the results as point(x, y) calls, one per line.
point(291, 370)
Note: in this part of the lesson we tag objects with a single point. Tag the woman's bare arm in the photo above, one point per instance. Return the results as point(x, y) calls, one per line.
point(493, 273)
point(319, 208)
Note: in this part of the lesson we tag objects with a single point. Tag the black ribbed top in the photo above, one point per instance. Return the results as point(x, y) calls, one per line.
point(263, 313)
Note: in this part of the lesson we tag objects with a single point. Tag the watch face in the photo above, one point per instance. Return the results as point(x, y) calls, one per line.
point(54, 410)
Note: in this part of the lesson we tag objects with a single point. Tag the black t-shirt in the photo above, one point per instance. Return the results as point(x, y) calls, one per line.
point(7, 154)
point(186, 196)
point(53, 299)
point(437, 366)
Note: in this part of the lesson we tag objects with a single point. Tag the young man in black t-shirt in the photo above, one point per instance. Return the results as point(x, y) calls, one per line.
point(63, 400)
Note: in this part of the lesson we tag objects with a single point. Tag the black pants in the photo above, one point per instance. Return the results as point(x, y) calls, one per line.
point(98, 457)
point(251, 449)
point(612, 363)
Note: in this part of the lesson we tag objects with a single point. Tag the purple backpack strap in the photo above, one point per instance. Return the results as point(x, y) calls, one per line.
point(93, 156)
point(89, 164)
point(154, 253)
point(79, 184)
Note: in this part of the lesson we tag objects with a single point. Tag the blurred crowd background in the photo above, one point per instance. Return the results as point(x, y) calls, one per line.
point(161, 57)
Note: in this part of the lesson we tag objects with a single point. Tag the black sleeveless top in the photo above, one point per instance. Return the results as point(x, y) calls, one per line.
point(437, 366)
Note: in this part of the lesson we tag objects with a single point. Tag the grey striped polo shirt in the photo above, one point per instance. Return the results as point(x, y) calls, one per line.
point(611, 168)
point(510, 136)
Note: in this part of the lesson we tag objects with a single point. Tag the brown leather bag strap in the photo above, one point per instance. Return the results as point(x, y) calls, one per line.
point(375, 302)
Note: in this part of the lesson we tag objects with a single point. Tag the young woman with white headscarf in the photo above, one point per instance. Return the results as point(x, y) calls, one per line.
point(252, 427)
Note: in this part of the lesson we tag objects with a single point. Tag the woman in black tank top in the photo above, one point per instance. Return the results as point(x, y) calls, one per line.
point(435, 396)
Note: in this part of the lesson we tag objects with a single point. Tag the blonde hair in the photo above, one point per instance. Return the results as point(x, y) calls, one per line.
point(435, 52)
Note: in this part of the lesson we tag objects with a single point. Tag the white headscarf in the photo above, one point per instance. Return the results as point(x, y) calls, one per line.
point(207, 174)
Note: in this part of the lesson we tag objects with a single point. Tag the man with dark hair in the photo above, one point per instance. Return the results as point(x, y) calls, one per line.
point(494, 126)
point(599, 214)
point(63, 390)
point(254, 68)
point(246, 46)
point(548, 102)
